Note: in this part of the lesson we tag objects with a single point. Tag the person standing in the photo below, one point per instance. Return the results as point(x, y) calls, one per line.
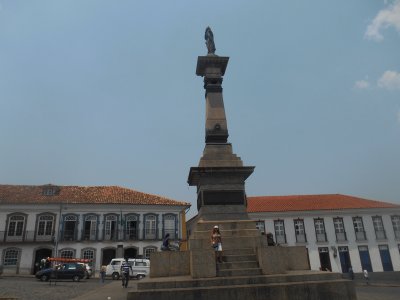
point(125, 268)
point(366, 277)
point(216, 243)
point(165, 245)
point(351, 273)
point(103, 270)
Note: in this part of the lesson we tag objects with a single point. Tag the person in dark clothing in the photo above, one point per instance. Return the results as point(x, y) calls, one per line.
point(125, 267)
point(165, 245)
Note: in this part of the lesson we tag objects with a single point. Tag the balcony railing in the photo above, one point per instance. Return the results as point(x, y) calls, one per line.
point(341, 237)
point(27, 236)
point(360, 236)
point(321, 237)
point(301, 238)
point(380, 234)
point(280, 238)
point(74, 236)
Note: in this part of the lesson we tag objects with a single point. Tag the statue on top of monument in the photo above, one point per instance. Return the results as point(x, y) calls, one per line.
point(209, 36)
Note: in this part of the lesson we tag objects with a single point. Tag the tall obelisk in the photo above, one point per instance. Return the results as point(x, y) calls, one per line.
point(220, 176)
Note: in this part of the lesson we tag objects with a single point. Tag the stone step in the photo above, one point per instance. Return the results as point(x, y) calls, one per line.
point(239, 252)
point(225, 225)
point(166, 283)
point(198, 234)
point(239, 272)
point(338, 289)
point(238, 258)
point(228, 243)
point(237, 265)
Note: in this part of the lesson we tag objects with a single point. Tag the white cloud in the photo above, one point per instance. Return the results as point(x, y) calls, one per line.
point(387, 17)
point(389, 80)
point(361, 84)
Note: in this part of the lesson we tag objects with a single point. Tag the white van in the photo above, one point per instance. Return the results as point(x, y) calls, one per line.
point(140, 268)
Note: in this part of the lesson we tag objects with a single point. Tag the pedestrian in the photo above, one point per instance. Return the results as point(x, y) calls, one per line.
point(103, 270)
point(366, 277)
point(351, 273)
point(216, 243)
point(165, 244)
point(125, 267)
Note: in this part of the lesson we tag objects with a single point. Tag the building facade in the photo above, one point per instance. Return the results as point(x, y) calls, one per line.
point(97, 223)
point(338, 231)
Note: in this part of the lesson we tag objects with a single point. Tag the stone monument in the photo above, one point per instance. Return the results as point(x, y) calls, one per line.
point(220, 176)
point(250, 269)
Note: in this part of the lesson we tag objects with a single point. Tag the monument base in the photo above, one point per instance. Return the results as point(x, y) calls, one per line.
point(307, 285)
point(222, 213)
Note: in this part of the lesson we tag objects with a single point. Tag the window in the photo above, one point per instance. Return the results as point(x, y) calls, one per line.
point(67, 253)
point(70, 224)
point(379, 229)
point(150, 227)
point(396, 226)
point(359, 229)
point(110, 228)
point(280, 235)
point(88, 254)
point(149, 250)
point(45, 227)
point(170, 226)
point(15, 227)
point(260, 225)
point(339, 230)
point(10, 257)
point(131, 227)
point(299, 231)
point(320, 230)
point(90, 228)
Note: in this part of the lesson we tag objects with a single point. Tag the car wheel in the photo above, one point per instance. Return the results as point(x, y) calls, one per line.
point(44, 278)
point(115, 276)
point(139, 276)
point(87, 276)
point(76, 278)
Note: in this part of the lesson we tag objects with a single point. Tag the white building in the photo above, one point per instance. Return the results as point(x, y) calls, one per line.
point(339, 231)
point(98, 223)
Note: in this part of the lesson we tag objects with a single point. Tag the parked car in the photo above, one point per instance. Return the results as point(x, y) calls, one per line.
point(74, 271)
point(88, 268)
point(140, 268)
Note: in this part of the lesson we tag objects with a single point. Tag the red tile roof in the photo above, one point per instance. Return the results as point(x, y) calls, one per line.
point(30, 194)
point(312, 202)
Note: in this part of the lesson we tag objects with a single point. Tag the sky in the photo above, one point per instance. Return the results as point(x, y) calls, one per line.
point(105, 93)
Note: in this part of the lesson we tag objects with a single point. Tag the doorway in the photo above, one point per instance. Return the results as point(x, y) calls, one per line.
point(324, 259)
point(130, 253)
point(344, 258)
point(385, 258)
point(365, 258)
point(39, 255)
point(108, 255)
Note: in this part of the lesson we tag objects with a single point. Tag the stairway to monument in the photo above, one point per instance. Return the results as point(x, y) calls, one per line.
point(238, 262)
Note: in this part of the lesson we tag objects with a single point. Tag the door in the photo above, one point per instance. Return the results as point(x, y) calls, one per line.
point(108, 255)
point(39, 255)
point(344, 259)
point(130, 252)
point(110, 228)
point(365, 258)
point(324, 259)
point(385, 258)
